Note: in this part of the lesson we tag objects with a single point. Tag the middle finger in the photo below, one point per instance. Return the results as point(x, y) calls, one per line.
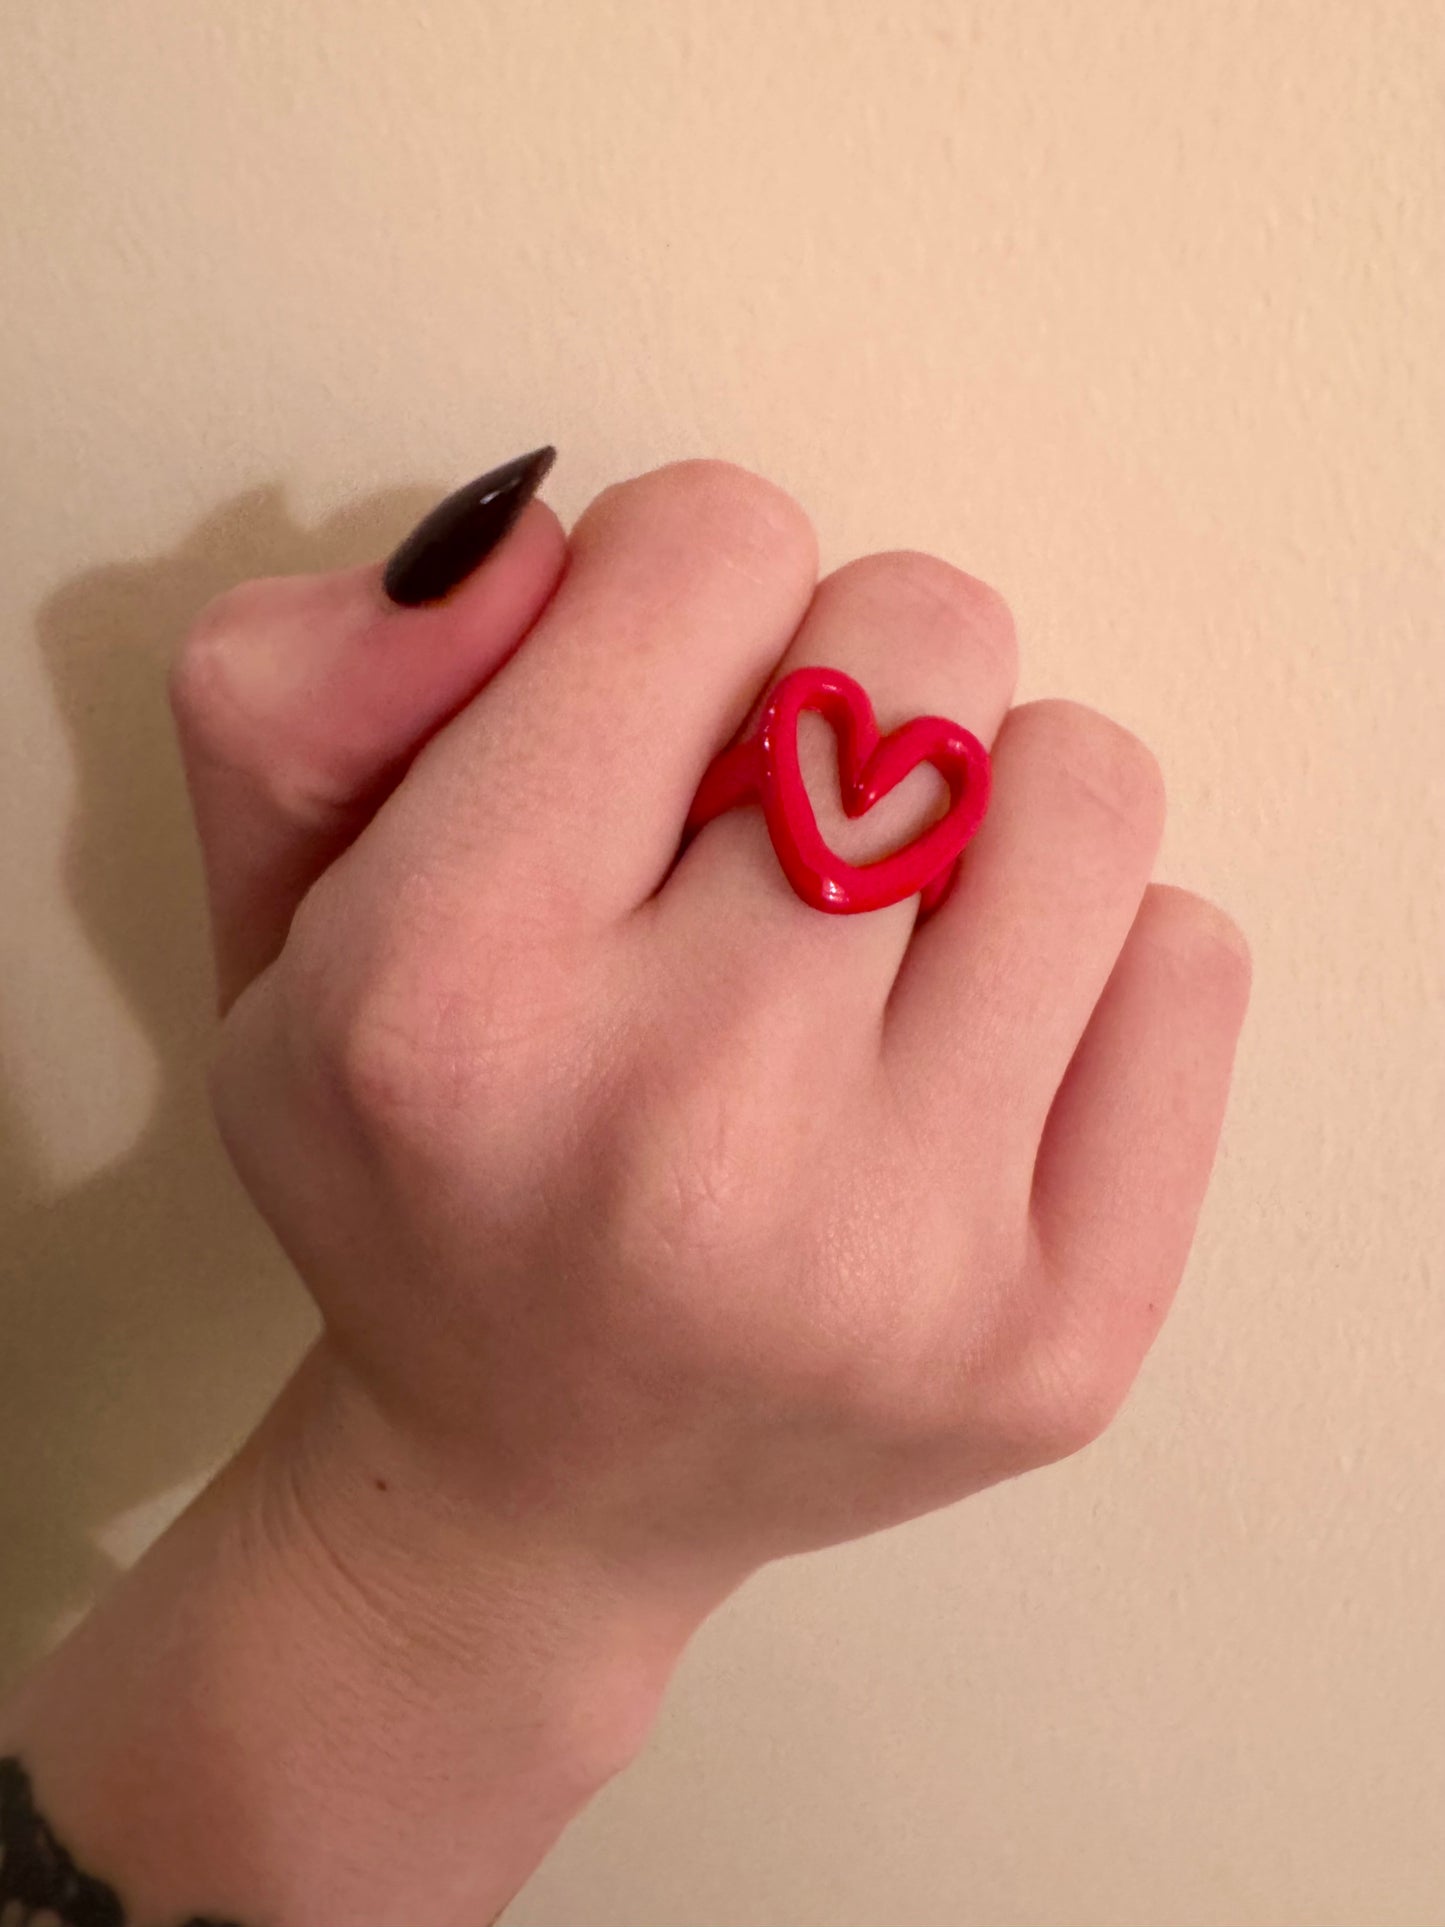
point(922, 637)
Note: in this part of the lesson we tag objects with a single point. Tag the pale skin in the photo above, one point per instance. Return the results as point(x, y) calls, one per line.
point(661, 1225)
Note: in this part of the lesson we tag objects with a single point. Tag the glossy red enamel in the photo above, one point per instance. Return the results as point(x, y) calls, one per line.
point(764, 767)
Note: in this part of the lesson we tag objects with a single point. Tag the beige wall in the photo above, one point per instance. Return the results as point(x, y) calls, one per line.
point(1134, 308)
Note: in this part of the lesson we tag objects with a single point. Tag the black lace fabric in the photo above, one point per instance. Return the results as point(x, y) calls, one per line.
point(40, 1884)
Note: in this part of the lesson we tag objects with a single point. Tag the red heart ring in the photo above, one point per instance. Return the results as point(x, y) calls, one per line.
point(764, 767)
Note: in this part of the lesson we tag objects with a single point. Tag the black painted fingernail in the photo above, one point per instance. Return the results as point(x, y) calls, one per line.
point(461, 532)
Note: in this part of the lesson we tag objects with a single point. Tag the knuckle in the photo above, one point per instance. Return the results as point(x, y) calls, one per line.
point(201, 683)
point(733, 500)
point(751, 520)
point(376, 1064)
point(394, 1060)
point(376, 1031)
point(1102, 765)
point(235, 715)
point(416, 1023)
point(1196, 938)
point(1073, 1399)
point(235, 608)
point(938, 601)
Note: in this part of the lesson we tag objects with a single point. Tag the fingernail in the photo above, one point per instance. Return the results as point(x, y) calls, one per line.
point(461, 532)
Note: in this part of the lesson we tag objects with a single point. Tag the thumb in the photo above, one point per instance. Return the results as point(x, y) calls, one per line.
point(301, 700)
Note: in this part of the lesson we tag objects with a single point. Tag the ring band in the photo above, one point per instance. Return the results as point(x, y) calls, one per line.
point(764, 768)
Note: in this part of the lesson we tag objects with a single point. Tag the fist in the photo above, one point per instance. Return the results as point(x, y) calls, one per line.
point(641, 1201)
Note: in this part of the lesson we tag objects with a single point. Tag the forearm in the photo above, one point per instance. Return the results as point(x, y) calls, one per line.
point(387, 1714)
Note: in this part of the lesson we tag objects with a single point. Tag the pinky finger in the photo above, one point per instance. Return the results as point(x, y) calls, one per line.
point(1131, 1139)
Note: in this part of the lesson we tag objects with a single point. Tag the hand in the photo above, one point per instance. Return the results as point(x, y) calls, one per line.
point(644, 1205)
point(660, 1224)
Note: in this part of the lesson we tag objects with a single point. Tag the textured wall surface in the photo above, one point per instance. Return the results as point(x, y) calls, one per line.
point(1135, 309)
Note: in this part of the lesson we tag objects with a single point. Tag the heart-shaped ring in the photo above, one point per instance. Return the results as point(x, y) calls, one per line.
point(764, 767)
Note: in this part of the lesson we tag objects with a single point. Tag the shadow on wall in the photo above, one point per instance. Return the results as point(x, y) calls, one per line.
point(147, 1312)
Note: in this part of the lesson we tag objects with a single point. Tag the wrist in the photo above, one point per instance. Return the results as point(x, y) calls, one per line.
point(432, 1584)
point(329, 1691)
